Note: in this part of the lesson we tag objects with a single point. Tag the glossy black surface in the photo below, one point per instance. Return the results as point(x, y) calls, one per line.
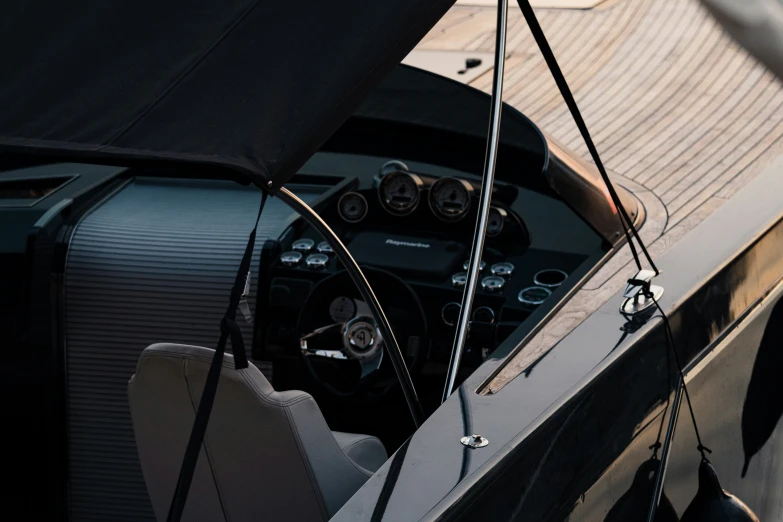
point(567, 440)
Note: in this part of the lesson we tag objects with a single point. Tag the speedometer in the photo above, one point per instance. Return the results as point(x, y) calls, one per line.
point(399, 192)
point(450, 198)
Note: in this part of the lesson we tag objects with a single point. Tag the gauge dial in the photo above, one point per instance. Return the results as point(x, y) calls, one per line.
point(503, 269)
point(291, 258)
point(304, 244)
point(399, 192)
point(450, 198)
point(495, 221)
point(534, 295)
point(317, 261)
point(342, 309)
point(460, 279)
point(493, 283)
point(352, 207)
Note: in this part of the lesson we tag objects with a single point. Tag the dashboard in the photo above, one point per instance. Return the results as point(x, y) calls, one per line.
point(410, 226)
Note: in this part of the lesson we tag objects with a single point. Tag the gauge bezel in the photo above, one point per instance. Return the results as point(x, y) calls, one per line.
point(291, 263)
point(501, 283)
point(434, 207)
point(443, 312)
point(393, 166)
point(503, 215)
point(484, 309)
point(312, 264)
point(340, 208)
point(528, 301)
point(393, 211)
point(539, 275)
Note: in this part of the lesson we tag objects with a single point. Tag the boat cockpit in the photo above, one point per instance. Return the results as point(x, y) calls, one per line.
point(147, 255)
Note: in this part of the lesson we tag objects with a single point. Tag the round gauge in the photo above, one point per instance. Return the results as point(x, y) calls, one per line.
point(342, 309)
point(460, 279)
point(325, 248)
point(504, 269)
point(393, 166)
point(482, 265)
point(304, 244)
point(450, 313)
point(495, 221)
point(493, 283)
point(317, 261)
point(534, 295)
point(399, 192)
point(352, 207)
point(450, 198)
point(291, 258)
point(484, 314)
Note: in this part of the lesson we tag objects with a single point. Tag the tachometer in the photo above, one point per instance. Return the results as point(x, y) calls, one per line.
point(399, 192)
point(450, 198)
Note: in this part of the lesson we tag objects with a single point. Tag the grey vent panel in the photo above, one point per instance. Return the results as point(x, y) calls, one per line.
point(154, 263)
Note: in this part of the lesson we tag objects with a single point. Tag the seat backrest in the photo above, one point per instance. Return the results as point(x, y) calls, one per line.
point(266, 456)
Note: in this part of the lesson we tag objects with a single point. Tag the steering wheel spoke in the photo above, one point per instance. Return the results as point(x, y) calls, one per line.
point(321, 342)
point(371, 365)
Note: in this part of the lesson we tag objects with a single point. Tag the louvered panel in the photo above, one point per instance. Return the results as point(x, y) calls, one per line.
point(154, 263)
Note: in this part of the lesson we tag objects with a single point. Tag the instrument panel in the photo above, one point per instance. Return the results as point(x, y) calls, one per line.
point(400, 192)
point(418, 225)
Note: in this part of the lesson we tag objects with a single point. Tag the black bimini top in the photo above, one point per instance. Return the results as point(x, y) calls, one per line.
point(254, 85)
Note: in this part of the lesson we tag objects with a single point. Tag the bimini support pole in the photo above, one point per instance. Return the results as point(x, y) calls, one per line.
point(350, 264)
point(487, 183)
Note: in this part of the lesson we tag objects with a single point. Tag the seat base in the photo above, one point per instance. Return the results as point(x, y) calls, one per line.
point(365, 450)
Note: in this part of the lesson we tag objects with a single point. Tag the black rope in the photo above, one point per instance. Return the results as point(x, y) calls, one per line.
point(657, 446)
point(565, 91)
point(228, 328)
point(670, 338)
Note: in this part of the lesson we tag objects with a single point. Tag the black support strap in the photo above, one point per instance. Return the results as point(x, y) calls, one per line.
point(565, 91)
point(228, 328)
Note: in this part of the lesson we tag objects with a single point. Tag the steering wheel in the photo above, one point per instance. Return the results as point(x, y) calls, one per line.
point(342, 346)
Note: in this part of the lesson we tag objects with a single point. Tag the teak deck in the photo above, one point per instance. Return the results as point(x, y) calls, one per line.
point(681, 115)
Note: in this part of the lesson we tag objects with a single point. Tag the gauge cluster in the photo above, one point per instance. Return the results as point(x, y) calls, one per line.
point(418, 226)
point(398, 194)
